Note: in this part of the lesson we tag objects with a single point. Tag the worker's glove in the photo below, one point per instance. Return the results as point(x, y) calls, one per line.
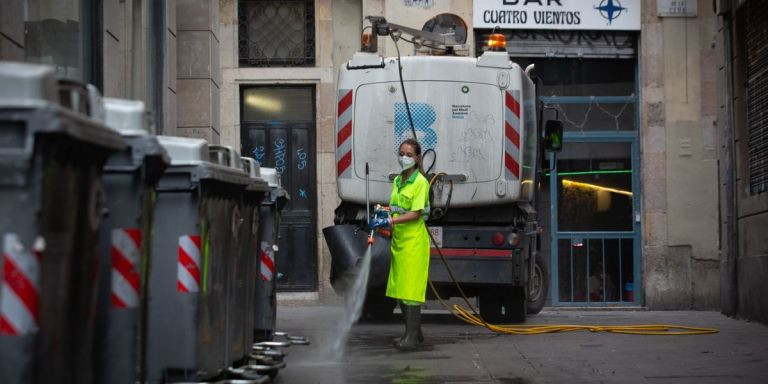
point(381, 222)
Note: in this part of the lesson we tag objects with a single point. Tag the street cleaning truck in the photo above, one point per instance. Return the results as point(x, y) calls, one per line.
point(477, 120)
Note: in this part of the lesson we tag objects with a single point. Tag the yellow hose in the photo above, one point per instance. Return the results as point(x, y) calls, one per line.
point(510, 329)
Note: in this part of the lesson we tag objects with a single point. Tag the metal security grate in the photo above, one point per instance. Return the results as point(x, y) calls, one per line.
point(276, 33)
point(757, 94)
point(552, 43)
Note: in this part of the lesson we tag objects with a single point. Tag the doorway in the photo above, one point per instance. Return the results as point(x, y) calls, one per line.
point(596, 221)
point(278, 130)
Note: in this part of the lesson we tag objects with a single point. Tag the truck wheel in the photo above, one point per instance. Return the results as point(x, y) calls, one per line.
point(502, 308)
point(377, 308)
point(539, 287)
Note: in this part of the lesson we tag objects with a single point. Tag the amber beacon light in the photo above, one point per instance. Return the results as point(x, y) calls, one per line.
point(497, 42)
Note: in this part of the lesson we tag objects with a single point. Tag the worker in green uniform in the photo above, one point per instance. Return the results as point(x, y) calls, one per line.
point(409, 205)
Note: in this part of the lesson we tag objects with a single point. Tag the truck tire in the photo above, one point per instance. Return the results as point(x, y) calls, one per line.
point(499, 308)
point(377, 308)
point(539, 289)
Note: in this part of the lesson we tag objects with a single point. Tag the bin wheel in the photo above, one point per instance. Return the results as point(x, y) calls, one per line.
point(500, 308)
point(539, 287)
point(377, 308)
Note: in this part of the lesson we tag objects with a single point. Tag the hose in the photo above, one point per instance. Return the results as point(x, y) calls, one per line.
point(402, 87)
point(473, 317)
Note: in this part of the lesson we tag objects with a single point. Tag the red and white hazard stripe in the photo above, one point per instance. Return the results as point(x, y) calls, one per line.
point(19, 300)
point(344, 134)
point(512, 135)
point(267, 256)
point(126, 254)
point(188, 266)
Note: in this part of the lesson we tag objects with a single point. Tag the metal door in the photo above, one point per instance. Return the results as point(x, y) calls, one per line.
point(278, 130)
point(596, 221)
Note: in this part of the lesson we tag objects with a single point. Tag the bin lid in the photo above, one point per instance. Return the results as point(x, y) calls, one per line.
point(270, 175)
point(277, 192)
point(185, 150)
point(129, 117)
point(225, 155)
point(193, 156)
point(27, 84)
point(252, 168)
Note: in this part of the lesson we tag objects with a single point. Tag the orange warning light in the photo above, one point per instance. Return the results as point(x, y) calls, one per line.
point(497, 42)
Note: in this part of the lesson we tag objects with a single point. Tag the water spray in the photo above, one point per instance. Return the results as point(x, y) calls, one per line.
point(356, 294)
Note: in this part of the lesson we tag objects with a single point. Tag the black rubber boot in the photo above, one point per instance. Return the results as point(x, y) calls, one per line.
point(398, 340)
point(412, 325)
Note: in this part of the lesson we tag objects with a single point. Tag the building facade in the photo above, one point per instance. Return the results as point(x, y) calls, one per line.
point(662, 221)
point(743, 152)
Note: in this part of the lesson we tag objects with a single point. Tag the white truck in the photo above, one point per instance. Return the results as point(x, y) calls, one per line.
point(477, 122)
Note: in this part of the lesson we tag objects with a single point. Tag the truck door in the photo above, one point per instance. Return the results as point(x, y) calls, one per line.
point(278, 130)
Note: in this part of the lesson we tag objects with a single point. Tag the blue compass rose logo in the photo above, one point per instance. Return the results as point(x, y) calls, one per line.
point(610, 9)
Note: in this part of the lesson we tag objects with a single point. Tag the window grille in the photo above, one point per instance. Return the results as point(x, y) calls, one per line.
point(276, 33)
point(757, 94)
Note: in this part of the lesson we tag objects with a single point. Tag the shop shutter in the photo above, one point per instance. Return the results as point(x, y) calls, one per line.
point(559, 44)
point(757, 94)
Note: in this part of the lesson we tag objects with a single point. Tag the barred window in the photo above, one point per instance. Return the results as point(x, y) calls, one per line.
point(276, 33)
point(757, 94)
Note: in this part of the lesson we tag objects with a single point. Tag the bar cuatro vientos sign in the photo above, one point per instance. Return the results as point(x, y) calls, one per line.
point(617, 15)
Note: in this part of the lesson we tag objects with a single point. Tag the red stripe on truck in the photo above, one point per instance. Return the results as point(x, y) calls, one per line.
point(344, 163)
point(344, 134)
point(345, 102)
point(512, 104)
point(512, 134)
point(471, 252)
point(512, 165)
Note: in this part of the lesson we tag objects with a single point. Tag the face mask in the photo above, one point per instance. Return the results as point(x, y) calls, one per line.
point(405, 162)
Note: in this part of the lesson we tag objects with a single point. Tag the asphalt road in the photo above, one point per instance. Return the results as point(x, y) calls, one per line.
point(455, 352)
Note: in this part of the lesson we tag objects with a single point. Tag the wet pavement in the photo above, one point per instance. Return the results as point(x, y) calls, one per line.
point(455, 352)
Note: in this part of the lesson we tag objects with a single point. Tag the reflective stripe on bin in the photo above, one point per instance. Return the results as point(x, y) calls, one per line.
point(19, 311)
point(188, 275)
point(267, 256)
point(126, 253)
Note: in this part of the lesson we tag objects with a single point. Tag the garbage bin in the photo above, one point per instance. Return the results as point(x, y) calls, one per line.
point(129, 181)
point(243, 268)
point(51, 196)
point(196, 222)
point(265, 308)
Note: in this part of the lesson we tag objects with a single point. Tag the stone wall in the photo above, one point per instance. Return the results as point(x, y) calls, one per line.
point(198, 73)
point(679, 160)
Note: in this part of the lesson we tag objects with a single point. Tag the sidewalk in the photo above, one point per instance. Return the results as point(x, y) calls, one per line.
point(455, 352)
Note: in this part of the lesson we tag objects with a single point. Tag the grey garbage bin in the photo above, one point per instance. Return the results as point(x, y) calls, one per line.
point(51, 196)
point(243, 268)
point(196, 222)
point(129, 181)
point(265, 298)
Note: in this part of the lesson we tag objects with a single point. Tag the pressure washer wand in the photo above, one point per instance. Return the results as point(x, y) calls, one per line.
point(368, 204)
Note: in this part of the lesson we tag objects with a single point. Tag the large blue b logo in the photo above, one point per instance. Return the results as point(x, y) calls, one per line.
point(423, 117)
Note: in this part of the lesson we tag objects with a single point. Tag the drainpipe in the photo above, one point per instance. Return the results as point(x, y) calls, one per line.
point(729, 297)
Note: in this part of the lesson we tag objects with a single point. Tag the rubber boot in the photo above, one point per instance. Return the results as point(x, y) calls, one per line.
point(398, 340)
point(412, 324)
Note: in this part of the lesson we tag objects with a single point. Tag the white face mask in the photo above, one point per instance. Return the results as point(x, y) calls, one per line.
point(405, 162)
